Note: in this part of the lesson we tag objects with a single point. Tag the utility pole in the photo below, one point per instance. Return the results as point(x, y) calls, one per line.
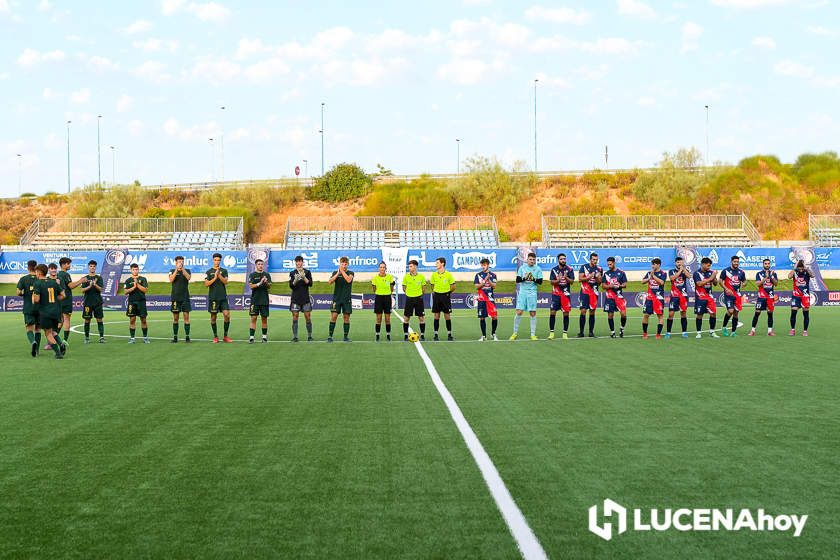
point(322, 138)
point(98, 153)
point(68, 156)
point(535, 124)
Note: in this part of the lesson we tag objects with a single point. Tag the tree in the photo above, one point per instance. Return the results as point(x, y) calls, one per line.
point(345, 181)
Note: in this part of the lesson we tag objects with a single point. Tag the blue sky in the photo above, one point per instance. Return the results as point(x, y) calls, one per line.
point(402, 80)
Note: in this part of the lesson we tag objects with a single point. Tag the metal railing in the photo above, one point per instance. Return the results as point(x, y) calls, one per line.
point(302, 224)
point(134, 225)
point(650, 224)
point(824, 229)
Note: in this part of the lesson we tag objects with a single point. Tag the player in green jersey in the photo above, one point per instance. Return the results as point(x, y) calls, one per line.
point(383, 290)
point(52, 272)
point(135, 288)
point(47, 295)
point(216, 280)
point(25, 287)
point(67, 285)
point(260, 283)
point(92, 285)
point(343, 280)
point(413, 284)
point(179, 277)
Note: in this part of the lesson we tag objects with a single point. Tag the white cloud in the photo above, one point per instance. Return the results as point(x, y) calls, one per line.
point(823, 31)
point(44, 6)
point(101, 64)
point(468, 71)
point(714, 93)
point(551, 82)
point(635, 8)
point(153, 44)
point(266, 70)
point(139, 26)
point(767, 43)
point(749, 4)
point(80, 97)
point(52, 141)
point(602, 45)
point(135, 127)
point(646, 101)
point(208, 11)
point(789, 67)
point(592, 73)
point(250, 47)
point(215, 71)
point(152, 71)
point(4, 7)
point(31, 57)
point(49, 94)
point(691, 33)
point(124, 103)
point(196, 132)
point(557, 15)
point(360, 72)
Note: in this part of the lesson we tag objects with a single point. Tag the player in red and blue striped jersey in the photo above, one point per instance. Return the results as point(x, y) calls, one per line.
point(704, 301)
point(655, 280)
point(679, 277)
point(589, 277)
point(615, 280)
point(732, 278)
point(801, 277)
point(485, 283)
point(766, 279)
point(561, 277)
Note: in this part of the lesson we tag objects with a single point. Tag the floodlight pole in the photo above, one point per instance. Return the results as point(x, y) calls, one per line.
point(535, 124)
point(68, 156)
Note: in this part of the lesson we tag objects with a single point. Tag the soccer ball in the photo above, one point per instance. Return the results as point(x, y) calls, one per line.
point(414, 337)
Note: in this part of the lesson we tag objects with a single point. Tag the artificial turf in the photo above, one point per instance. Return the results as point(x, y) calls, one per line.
point(346, 450)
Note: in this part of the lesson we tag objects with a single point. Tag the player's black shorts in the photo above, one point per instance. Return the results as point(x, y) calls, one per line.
point(441, 303)
point(255, 310)
point(298, 307)
point(92, 312)
point(217, 305)
point(181, 306)
point(382, 304)
point(136, 309)
point(30, 318)
point(342, 307)
point(67, 306)
point(414, 306)
point(48, 322)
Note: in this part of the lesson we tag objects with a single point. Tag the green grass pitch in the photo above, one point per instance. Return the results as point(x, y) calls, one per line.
point(319, 450)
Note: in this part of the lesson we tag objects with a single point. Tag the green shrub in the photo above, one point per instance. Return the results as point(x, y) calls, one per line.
point(345, 181)
point(490, 188)
point(423, 197)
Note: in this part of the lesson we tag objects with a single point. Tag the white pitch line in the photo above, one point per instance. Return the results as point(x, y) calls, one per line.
point(524, 536)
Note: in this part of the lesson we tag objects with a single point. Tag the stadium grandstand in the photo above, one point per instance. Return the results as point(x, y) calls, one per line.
point(824, 230)
point(210, 234)
point(373, 232)
point(649, 231)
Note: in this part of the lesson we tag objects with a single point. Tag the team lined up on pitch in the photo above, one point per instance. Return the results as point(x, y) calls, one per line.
point(48, 291)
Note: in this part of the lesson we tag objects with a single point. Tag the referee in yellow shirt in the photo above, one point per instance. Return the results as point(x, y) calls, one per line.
point(383, 288)
point(413, 284)
point(443, 284)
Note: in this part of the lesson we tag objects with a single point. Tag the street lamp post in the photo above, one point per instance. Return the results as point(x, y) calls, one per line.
point(212, 160)
point(322, 138)
point(458, 148)
point(113, 165)
point(68, 156)
point(707, 135)
point(306, 168)
point(98, 152)
point(535, 124)
point(20, 175)
point(222, 143)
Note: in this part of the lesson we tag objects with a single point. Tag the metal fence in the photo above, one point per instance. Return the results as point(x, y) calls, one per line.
point(388, 223)
point(134, 225)
point(650, 223)
point(824, 229)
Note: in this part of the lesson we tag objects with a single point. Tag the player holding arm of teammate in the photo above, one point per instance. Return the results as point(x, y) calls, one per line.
point(589, 276)
point(260, 283)
point(47, 295)
point(615, 280)
point(766, 281)
point(414, 284)
point(179, 277)
point(342, 302)
point(679, 277)
point(485, 284)
point(801, 299)
point(704, 301)
point(732, 279)
point(383, 289)
point(528, 277)
point(561, 277)
point(300, 279)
